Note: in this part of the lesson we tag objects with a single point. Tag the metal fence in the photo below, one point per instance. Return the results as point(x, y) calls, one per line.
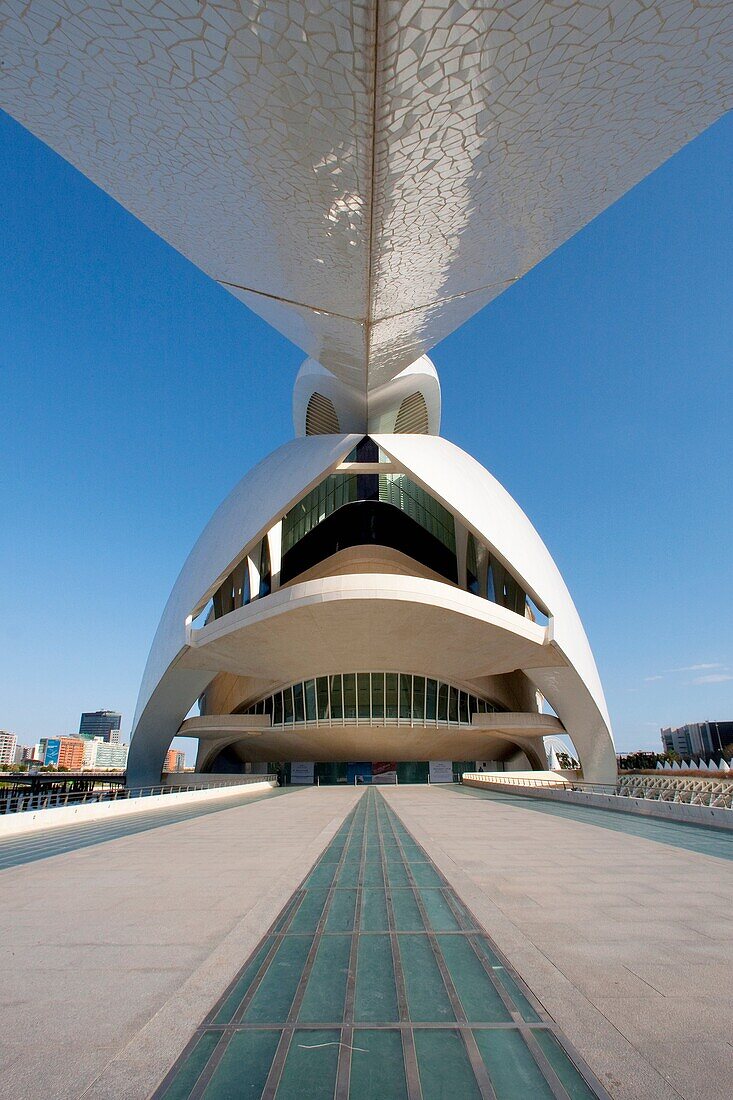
point(17, 802)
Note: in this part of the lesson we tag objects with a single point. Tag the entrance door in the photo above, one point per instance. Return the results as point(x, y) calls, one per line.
point(413, 772)
point(360, 768)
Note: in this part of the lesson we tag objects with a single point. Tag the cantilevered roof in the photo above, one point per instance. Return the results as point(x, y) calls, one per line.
point(365, 174)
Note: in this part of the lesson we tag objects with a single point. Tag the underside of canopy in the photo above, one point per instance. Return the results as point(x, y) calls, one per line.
point(365, 175)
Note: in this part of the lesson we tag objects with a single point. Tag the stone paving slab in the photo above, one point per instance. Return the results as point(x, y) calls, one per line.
point(109, 952)
point(376, 983)
point(625, 941)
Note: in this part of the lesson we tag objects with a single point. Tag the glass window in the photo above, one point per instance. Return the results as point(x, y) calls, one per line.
point(265, 574)
point(453, 705)
point(335, 491)
point(322, 693)
point(298, 703)
point(418, 698)
point(472, 581)
point(402, 493)
point(491, 584)
point(391, 694)
point(377, 694)
point(431, 700)
point(288, 705)
point(442, 702)
point(405, 696)
point(337, 710)
point(366, 450)
point(246, 588)
point(363, 695)
point(310, 700)
point(349, 695)
point(362, 688)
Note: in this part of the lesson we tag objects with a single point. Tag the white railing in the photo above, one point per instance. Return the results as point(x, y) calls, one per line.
point(692, 791)
point(17, 802)
point(559, 784)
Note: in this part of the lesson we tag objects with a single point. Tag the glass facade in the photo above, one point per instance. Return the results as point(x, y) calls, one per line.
point(485, 575)
point(338, 490)
point(366, 450)
point(372, 698)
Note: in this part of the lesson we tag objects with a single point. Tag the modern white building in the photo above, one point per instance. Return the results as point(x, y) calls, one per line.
point(366, 177)
point(369, 599)
point(8, 747)
point(100, 754)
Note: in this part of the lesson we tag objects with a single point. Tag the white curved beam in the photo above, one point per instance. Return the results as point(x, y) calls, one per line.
point(169, 690)
point(464, 486)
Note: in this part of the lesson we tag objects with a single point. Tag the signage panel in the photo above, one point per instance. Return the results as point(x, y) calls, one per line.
point(301, 772)
point(53, 748)
point(441, 771)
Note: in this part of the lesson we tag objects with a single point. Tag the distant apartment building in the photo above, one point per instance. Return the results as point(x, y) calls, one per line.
point(99, 754)
point(175, 761)
point(63, 752)
point(8, 745)
point(698, 739)
point(101, 723)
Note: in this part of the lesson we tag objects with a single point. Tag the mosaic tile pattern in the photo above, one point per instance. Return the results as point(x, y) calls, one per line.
point(366, 174)
point(376, 983)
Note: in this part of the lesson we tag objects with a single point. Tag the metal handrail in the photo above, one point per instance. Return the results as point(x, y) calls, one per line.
point(44, 800)
point(561, 783)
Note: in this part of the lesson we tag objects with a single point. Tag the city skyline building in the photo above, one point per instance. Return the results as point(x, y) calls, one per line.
point(8, 748)
point(101, 723)
point(366, 178)
point(696, 739)
point(62, 752)
point(100, 754)
point(175, 761)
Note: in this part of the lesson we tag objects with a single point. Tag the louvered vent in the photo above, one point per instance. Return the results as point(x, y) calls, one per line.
point(412, 418)
point(320, 416)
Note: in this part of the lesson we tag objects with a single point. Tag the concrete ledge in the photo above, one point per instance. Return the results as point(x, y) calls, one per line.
point(715, 817)
point(30, 821)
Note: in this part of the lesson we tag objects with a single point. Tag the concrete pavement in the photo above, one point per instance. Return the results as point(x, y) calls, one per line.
point(628, 943)
point(111, 953)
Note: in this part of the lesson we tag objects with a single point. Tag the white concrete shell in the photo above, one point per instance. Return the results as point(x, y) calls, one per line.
point(380, 620)
point(366, 174)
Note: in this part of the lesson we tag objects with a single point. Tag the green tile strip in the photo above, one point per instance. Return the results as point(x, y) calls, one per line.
point(377, 982)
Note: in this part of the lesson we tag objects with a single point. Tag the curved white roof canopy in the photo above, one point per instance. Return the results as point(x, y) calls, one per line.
point(177, 672)
point(366, 175)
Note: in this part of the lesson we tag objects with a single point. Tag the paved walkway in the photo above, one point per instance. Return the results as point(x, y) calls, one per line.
point(114, 952)
point(15, 850)
point(375, 984)
point(625, 937)
point(109, 953)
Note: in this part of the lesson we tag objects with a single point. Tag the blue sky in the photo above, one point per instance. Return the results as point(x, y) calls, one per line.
point(135, 393)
